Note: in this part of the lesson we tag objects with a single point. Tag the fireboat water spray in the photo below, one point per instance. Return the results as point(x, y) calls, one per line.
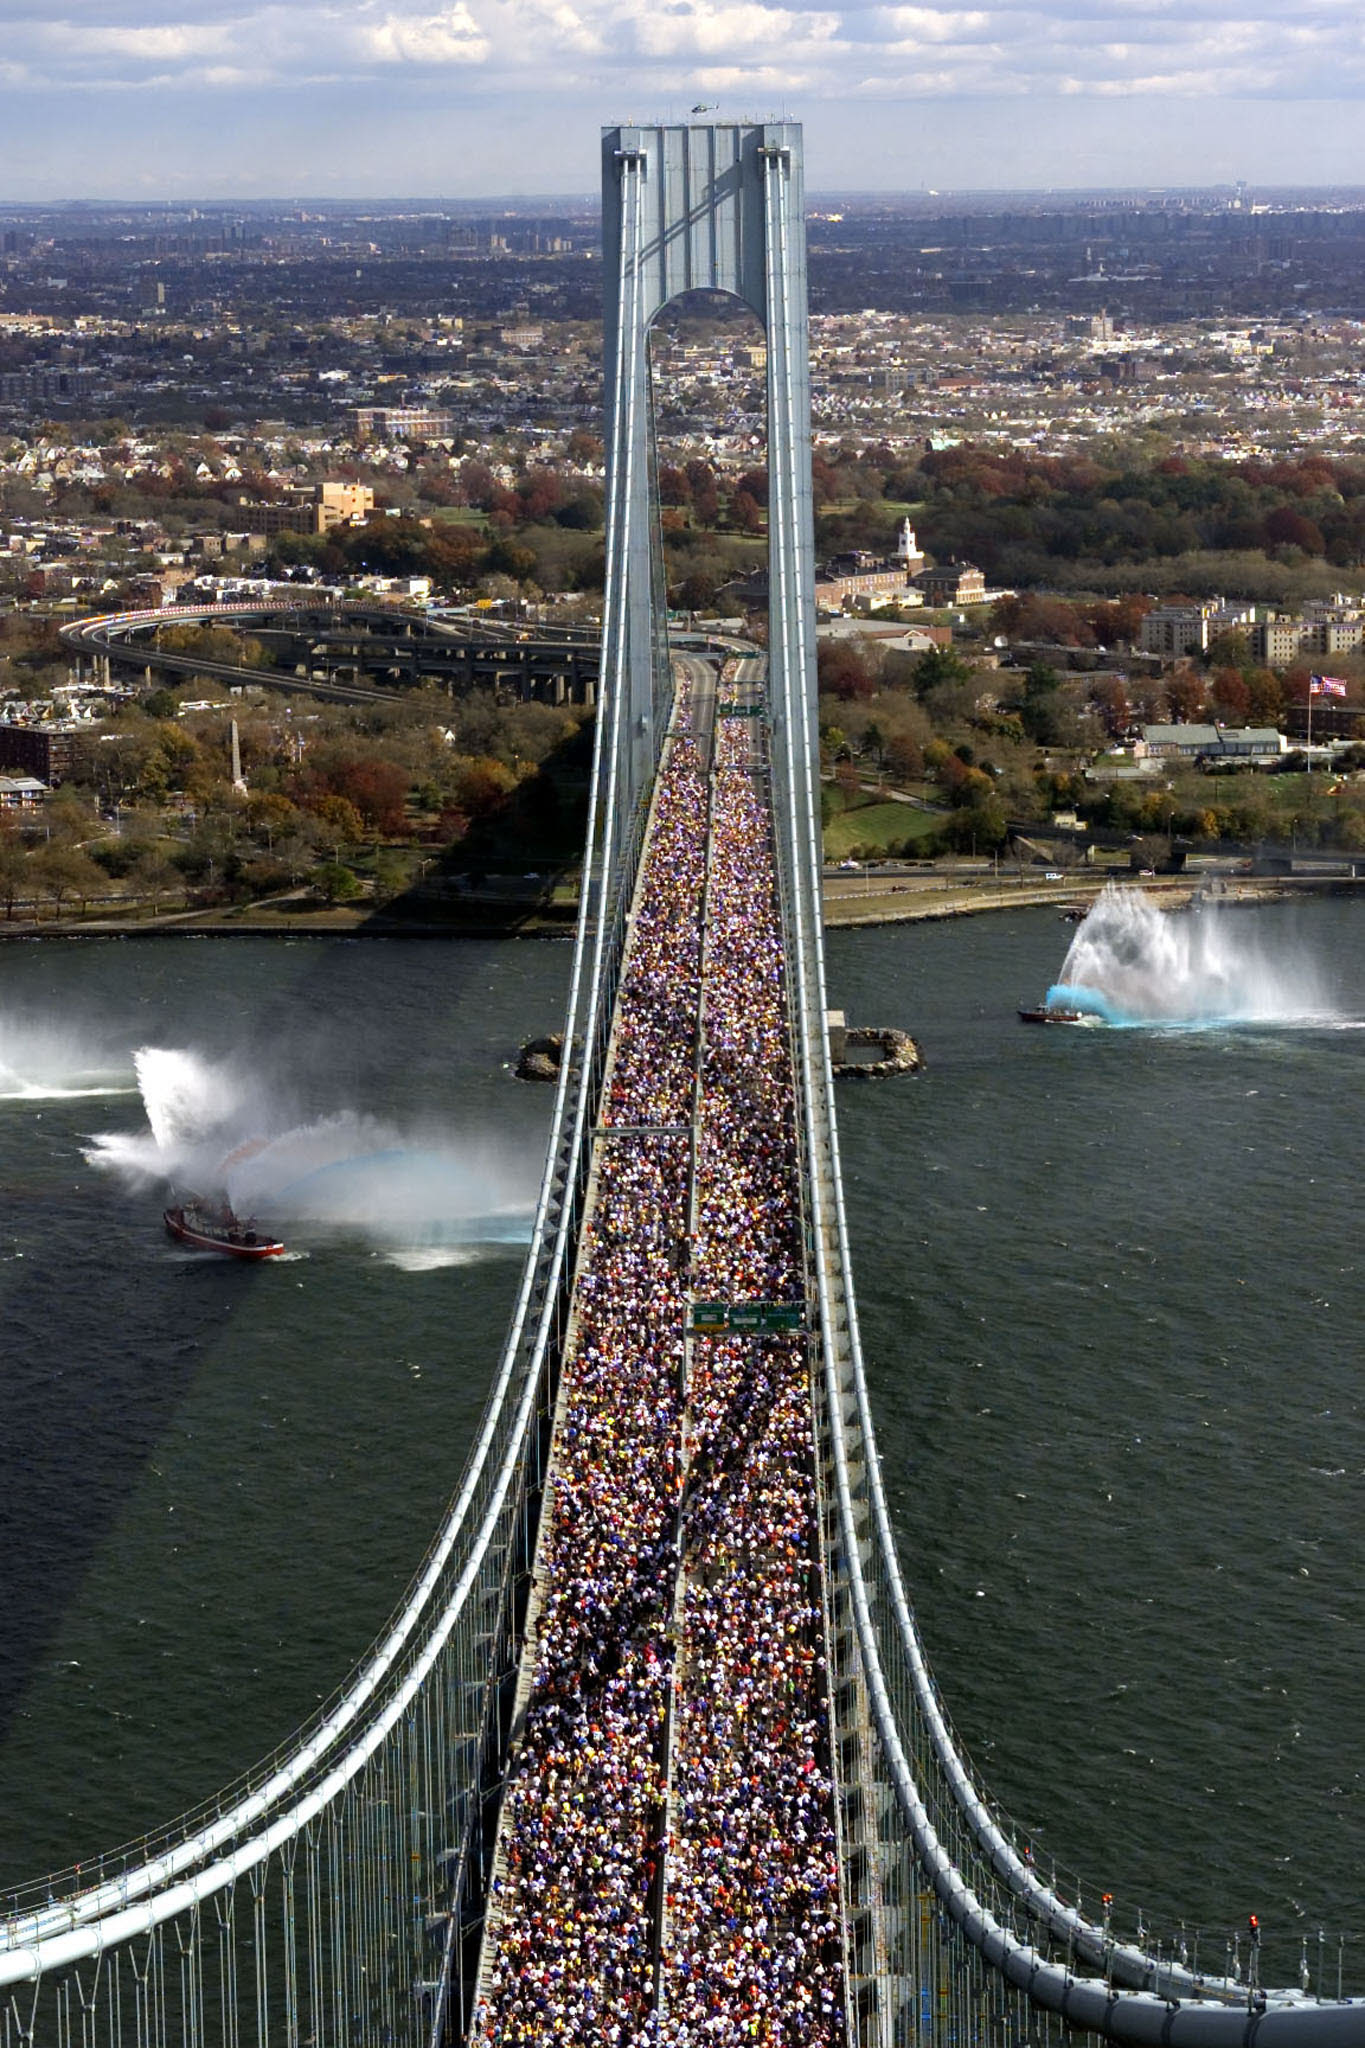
point(1132, 964)
point(233, 1139)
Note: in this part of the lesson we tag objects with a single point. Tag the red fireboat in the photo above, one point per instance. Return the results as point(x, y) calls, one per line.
point(219, 1230)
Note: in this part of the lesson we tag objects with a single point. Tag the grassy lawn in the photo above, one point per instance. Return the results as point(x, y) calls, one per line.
point(878, 825)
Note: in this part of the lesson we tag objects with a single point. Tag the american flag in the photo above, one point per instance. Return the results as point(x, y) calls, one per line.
point(1326, 686)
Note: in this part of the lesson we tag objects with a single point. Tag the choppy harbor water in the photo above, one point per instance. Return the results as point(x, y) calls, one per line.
point(1111, 1299)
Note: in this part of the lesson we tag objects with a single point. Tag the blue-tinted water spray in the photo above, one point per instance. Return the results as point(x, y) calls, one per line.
point(1086, 1002)
point(220, 1131)
point(1130, 963)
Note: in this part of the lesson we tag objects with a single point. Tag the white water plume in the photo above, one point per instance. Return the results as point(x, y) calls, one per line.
point(42, 1061)
point(1131, 963)
point(218, 1131)
point(193, 1108)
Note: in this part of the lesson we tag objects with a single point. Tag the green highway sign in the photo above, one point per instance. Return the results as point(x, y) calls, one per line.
point(713, 1318)
point(740, 710)
point(709, 1317)
point(784, 1315)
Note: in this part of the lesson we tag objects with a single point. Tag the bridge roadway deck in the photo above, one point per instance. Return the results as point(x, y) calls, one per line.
point(667, 1858)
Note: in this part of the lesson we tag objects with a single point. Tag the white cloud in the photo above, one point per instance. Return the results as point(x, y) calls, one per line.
point(644, 50)
point(768, 79)
point(165, 43)
point(709, 28)
point(928, 24)
point(451, 37)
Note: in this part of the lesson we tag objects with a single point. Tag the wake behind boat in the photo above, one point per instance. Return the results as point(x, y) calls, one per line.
point(219, 1230)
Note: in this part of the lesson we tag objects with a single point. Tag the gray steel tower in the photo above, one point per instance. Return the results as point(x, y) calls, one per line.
point(720, 207)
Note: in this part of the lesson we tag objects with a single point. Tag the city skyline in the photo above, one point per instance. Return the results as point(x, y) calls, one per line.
point(188, 99)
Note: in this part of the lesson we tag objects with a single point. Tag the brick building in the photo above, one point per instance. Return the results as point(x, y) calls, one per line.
point(952, 583)
point(47, 751)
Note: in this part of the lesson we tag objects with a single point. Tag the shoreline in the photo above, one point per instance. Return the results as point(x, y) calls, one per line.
point(1168, 893)
point(918, 902)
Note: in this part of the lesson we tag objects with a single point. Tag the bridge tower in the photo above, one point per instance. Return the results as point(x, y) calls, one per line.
point(719, 207)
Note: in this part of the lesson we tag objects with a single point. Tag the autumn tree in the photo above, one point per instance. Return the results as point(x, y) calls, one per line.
point(705, 495)
point(746, 515)
point(338, 817)
point(1185, 695)
point(482, 787)
point(1285, 527)
point(64, 871)
point(1111, 696)
point(904, 757)
point(1230, 695)
point(845, 670)
point(1265, 697)
point(152, 877)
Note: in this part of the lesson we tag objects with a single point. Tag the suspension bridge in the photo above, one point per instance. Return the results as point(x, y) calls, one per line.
point(651, 1750)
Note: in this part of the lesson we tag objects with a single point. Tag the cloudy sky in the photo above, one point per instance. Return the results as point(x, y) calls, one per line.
point(188, 98)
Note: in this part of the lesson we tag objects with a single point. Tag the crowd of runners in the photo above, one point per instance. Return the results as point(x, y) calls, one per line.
point(752, 1948)
point(667, 1868)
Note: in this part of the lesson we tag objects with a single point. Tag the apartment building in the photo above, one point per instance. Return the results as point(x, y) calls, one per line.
point(331, 505)
point(47, 751)
point(1173, 630)
point(401, 423)
point(1280, 642)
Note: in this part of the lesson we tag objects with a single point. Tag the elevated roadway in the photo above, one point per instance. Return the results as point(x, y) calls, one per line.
point(349, 653)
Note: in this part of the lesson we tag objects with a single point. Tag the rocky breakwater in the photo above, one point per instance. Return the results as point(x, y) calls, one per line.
point(899, 1054)
point(540, 1058)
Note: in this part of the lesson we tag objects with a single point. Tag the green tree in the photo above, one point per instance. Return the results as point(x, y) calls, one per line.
point(938, 666)
point(1230, 650)
point(335, 882)
point(1042, 711)
point(392, 875)
point(979, 827)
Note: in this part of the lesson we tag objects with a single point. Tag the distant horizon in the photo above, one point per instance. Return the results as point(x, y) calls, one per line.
point(112, 102)
point(589, 201)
